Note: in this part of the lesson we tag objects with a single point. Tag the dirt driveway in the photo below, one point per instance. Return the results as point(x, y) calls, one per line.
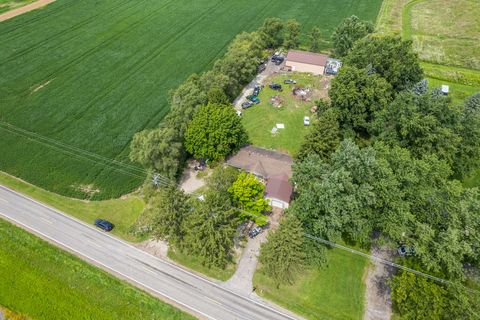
point(16, 12)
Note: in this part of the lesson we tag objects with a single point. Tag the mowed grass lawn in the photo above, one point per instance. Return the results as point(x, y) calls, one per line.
point(90, 74)
point(121, 212)
point(259, 119)
point(334, 292)
point(42, 282)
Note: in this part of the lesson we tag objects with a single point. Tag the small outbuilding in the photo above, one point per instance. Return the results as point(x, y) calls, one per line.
point(279, 191)
point(304, 61)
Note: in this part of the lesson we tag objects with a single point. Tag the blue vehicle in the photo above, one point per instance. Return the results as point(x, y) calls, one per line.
point(254, 99)
point(104, 225)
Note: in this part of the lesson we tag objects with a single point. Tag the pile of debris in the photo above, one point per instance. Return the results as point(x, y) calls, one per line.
point(302, 93)
point(276, 101)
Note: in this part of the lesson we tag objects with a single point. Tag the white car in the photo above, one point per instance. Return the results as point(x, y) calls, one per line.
point(306, 121)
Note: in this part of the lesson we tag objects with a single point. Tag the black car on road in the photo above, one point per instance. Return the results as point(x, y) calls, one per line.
point(104, 224)
point(255, 232)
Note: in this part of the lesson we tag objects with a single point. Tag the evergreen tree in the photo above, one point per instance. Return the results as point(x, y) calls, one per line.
point(211, 228)
point(166, 212)
point(282, 256)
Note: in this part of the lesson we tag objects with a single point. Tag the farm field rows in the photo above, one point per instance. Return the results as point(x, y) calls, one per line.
point(49, 283)
point(90, 74)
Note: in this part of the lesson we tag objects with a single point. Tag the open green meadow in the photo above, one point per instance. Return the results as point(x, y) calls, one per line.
point(49, 283)
point(335, 291)
point(443, 32)
point(90, 74)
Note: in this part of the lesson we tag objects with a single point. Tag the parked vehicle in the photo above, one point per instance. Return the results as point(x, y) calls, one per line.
point(247, 104)
point(289, 81)
point(255, 232)
point(256, 90)
point(277, 59)
point(104, 225)
point(253, 99)
point(306, 121)
point(275, 86)
point(403, 250)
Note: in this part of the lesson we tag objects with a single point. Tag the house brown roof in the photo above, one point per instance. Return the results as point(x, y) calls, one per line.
point(278, 187)
point(317, 59)
point(262, 162)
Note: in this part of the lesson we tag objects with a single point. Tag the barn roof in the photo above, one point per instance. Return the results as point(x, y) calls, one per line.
point(317, 59)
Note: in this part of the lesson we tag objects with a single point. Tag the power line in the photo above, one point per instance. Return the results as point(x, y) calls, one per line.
point(164, 181)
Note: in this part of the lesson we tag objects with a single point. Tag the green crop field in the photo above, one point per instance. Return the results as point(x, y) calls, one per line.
point(48, 283)
point(87, 75)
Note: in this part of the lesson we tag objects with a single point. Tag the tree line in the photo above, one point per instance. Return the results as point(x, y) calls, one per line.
point(386, 157)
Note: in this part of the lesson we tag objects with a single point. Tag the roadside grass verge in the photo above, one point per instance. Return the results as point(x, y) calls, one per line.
point(121, 212)
point(335, 291)
point(259, 119)
point(194, 264)
point(43, 282)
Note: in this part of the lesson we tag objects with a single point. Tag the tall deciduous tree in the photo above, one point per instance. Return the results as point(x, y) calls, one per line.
point(358, 97)
point(212, 227)
point(215, 132)
point(468, 158)
point(417, 298)
point(391, 57)
point(315, 39)
point(292, 34)
point(423, 124)
point(324, 137)
point(158, 149)
point(282, 256)
point(271, 32)
point(351, 195)
point(247, 194)
point(348, 32)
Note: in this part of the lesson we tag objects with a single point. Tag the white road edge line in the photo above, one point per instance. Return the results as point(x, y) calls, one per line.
point(112, 269)
point(154, 257)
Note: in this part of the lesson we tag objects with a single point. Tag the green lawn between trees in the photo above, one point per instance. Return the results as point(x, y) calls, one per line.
point(336, 291)
point(48, 283)
point(90, 74)
point(259, 119)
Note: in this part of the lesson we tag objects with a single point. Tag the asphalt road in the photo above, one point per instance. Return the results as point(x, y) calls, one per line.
point(192, 293)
